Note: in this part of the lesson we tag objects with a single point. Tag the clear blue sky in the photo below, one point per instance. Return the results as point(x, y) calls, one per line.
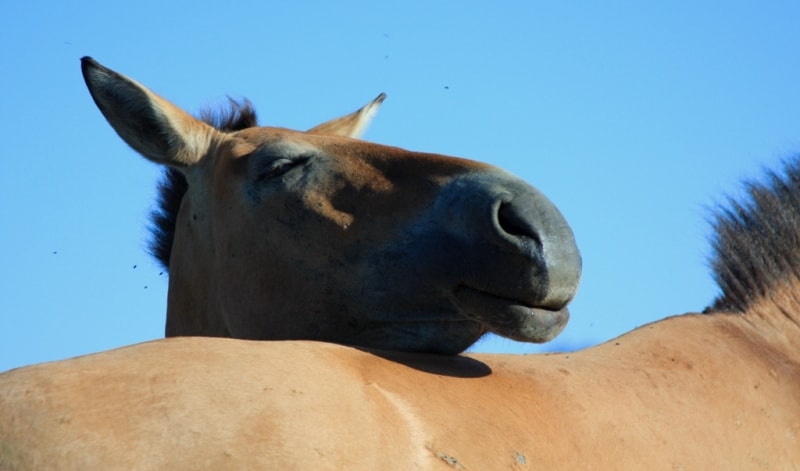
point(633, 118)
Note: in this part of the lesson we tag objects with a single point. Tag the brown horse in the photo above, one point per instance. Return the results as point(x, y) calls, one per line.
point(276, 234)
point(714, 391)
point(719, 390)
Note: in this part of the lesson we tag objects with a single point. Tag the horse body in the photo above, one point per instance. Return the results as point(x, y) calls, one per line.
point(690, 392)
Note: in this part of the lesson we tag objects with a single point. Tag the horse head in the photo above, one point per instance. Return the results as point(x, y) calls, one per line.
point(281, 234)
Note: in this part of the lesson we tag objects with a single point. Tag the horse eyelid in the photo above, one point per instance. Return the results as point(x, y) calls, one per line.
point(280, 166)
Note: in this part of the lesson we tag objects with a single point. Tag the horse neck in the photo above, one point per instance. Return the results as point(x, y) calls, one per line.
point(706, 344)
point(776, 317)
point(192, 308)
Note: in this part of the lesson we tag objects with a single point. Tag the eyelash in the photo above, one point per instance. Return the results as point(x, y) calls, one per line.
point(281, 166)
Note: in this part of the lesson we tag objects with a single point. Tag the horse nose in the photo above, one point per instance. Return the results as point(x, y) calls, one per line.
point(509, 241)
point(530, 222)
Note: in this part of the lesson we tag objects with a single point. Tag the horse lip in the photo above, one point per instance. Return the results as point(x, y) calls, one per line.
point(509, 317)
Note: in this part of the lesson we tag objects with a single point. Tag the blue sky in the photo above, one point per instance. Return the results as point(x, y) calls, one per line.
point(633, 117)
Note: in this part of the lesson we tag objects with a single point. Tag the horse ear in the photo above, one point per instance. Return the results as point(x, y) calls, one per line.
point(352, 125)
point(154, 127)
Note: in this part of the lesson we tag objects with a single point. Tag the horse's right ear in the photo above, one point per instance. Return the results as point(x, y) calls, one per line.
point(353, 124)
point(154, 127)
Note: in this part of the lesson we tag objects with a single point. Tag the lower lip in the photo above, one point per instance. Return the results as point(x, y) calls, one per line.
point(509, 318)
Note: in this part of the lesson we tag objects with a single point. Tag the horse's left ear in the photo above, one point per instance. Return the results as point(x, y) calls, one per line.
point(352, 125)
point(153, 126)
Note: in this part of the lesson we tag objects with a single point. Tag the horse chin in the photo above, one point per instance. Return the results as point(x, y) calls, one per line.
point(511, 318)
point(443, 337)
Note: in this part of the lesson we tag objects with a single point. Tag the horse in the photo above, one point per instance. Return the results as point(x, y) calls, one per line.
point(712, 390)
point(718, 389)
point(273, 234)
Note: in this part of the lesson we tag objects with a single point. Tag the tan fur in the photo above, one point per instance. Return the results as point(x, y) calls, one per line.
point(696, 392)
point(354, 124)
point(315, 235)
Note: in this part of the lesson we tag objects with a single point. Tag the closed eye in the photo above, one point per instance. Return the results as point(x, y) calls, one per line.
point(280, 166)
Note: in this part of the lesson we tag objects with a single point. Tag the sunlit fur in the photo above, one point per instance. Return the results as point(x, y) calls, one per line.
point(172, 187)
point(699, 391)
point(275, 234)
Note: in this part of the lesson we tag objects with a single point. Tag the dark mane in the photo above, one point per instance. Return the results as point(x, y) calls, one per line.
point(757, 241)
point(172, 186)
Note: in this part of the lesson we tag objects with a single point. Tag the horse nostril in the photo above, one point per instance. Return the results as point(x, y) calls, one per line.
point(515, 224)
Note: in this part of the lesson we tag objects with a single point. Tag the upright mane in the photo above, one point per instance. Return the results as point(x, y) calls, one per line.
point(756, 242)
point(172, 186)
